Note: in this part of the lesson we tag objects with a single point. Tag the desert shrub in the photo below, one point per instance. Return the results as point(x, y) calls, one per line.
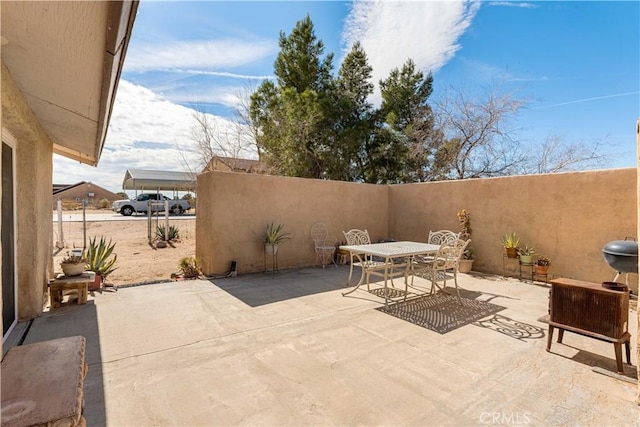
point(190, 266)
point(104, 204)
point(71, 205)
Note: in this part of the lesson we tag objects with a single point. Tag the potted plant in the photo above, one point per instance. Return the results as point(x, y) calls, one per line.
point(542, 265)
point(526, 255)
point(511, 242)
point(274, 235)
point(99, 260)
point(73, 264)
point(464, 218)
point(466, 262)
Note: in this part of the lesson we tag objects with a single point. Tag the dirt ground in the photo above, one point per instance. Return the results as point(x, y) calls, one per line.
point(138, 262)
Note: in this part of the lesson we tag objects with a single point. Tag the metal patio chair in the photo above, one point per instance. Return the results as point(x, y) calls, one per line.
point(366, 262)
point(323, 244)
point(443, 267)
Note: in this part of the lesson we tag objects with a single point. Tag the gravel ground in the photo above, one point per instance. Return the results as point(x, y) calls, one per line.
point(138, 261)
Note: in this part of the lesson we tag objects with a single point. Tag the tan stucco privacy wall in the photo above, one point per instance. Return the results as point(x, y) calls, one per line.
point(568, 216)
point(34, 168)
point(234, 209)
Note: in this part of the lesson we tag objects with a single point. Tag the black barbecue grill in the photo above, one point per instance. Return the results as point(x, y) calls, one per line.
point(622, 256)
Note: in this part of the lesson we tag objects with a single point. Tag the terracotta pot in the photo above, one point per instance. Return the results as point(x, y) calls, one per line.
point(512, 252)
point(542, 269)
point(72, 269)
point(96, 284)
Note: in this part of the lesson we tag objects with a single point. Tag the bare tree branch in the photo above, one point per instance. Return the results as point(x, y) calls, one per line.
point(478, 134)
point(556, 155)
point(216, 137)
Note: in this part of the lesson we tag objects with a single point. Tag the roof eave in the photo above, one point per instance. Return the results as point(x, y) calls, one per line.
point(120, 26)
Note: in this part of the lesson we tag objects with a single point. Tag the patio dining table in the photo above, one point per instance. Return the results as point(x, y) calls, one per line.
point(390, 252)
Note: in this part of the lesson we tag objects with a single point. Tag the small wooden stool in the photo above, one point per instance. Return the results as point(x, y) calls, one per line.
point(63, 283)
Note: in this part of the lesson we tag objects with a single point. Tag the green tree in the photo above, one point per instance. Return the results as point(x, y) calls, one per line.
point(354, 117)
point(309, 124)
point(291, 114)
point(408, 124)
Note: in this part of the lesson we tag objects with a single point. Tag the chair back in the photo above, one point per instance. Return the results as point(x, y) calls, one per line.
point(442, 236)
point(319, 233)
point(357, 237)
point(450, 253)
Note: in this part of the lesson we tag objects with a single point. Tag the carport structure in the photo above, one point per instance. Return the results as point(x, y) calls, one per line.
point(156, 180)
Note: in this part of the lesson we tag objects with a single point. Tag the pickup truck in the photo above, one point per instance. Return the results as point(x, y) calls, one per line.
point(139, 204)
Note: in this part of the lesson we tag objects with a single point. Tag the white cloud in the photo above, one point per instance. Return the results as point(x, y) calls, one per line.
point(392, 32)
point(483, 72)
point(140, 117)
point(226, 74)
point(197, 54)
point(513, 4)
point(229, 96)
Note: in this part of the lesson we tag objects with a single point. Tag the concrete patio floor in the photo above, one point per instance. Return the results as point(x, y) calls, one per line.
point(291, 350)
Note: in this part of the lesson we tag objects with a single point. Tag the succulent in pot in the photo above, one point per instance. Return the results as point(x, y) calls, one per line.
point(274, 235)
point(542, 265)
point(511, 242)
point(99, 257)
point(526, 254)
point(73, 263)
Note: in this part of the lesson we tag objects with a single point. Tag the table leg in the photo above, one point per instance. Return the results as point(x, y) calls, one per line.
point(618, 349)
point(549, 338)
point(361, 281)
point(627, 347)
point(386, 289)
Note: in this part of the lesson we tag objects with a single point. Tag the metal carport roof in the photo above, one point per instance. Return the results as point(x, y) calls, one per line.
point(141, 179)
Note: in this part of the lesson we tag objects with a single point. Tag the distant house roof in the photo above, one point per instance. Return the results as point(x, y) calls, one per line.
point(238, 165)
point(83, 190)
point(58, 188)
point(142, 179)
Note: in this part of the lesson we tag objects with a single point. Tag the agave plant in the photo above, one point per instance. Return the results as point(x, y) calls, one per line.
point(173, 234)
point(97, 257)
point(274, 234)
point(511, 240)
point(526, 251)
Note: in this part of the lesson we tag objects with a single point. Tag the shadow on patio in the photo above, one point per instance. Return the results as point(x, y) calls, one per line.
point(266, 288)
point(291, 350)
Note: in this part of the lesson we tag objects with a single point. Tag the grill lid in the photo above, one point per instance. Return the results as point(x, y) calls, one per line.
point(621, 248)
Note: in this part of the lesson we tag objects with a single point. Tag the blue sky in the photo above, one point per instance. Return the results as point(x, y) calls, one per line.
point(578, 64)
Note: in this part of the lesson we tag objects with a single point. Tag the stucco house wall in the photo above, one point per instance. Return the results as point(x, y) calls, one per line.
point(568, 217)
point(235, 208)
point(34, 168)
